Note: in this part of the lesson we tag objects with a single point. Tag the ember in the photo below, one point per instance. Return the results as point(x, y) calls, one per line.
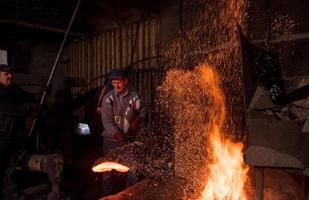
point(109, 166)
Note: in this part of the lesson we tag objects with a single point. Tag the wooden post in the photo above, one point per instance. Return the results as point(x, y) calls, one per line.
point(259, 176)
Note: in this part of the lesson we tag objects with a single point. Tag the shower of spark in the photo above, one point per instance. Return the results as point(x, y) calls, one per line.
point(212, 164)
point(205, 109)
point(202, 106)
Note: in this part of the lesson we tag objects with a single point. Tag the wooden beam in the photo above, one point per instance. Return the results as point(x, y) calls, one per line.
point(37, 26)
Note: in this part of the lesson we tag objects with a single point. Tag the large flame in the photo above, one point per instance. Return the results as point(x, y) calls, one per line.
point(227, 171)
point(109, 166)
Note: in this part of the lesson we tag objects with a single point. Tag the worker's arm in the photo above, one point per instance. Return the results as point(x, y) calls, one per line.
point(141, 111)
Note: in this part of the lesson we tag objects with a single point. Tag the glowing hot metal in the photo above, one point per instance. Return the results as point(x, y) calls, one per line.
point(109, 166)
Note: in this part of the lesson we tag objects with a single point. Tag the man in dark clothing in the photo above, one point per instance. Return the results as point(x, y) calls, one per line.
point(122, 112)
point(15, 105)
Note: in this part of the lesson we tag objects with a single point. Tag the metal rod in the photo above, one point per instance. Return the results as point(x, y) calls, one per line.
point(55, 64)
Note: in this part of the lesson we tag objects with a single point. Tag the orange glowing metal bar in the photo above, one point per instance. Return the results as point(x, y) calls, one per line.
point(109, 166)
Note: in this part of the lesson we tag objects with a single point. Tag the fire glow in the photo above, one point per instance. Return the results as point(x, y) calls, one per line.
point(226, 168)
point(109, 166)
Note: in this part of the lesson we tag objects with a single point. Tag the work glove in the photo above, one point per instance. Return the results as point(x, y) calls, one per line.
point(119, 137)
point(98, 110)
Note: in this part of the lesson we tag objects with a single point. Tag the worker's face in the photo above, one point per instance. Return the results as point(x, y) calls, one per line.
point(120, 84)
point(6, 78)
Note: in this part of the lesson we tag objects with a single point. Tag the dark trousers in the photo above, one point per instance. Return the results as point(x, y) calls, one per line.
point(113, 182)
point(8, 163)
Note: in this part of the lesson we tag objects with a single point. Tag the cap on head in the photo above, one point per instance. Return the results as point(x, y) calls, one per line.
point(4, 67)
point(118, 73)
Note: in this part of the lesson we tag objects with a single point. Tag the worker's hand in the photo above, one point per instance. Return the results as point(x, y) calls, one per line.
point(98, 110)
point(132, 132)
point(135, 124)
point(119, 137)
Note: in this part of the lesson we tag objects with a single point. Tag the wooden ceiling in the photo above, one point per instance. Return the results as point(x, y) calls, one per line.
point(94, 16)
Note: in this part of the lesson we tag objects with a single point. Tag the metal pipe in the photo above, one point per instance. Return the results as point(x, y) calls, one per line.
point(54, 67)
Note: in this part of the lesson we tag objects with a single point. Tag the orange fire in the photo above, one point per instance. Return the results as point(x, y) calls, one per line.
point(109, 166)
point(226, 168)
